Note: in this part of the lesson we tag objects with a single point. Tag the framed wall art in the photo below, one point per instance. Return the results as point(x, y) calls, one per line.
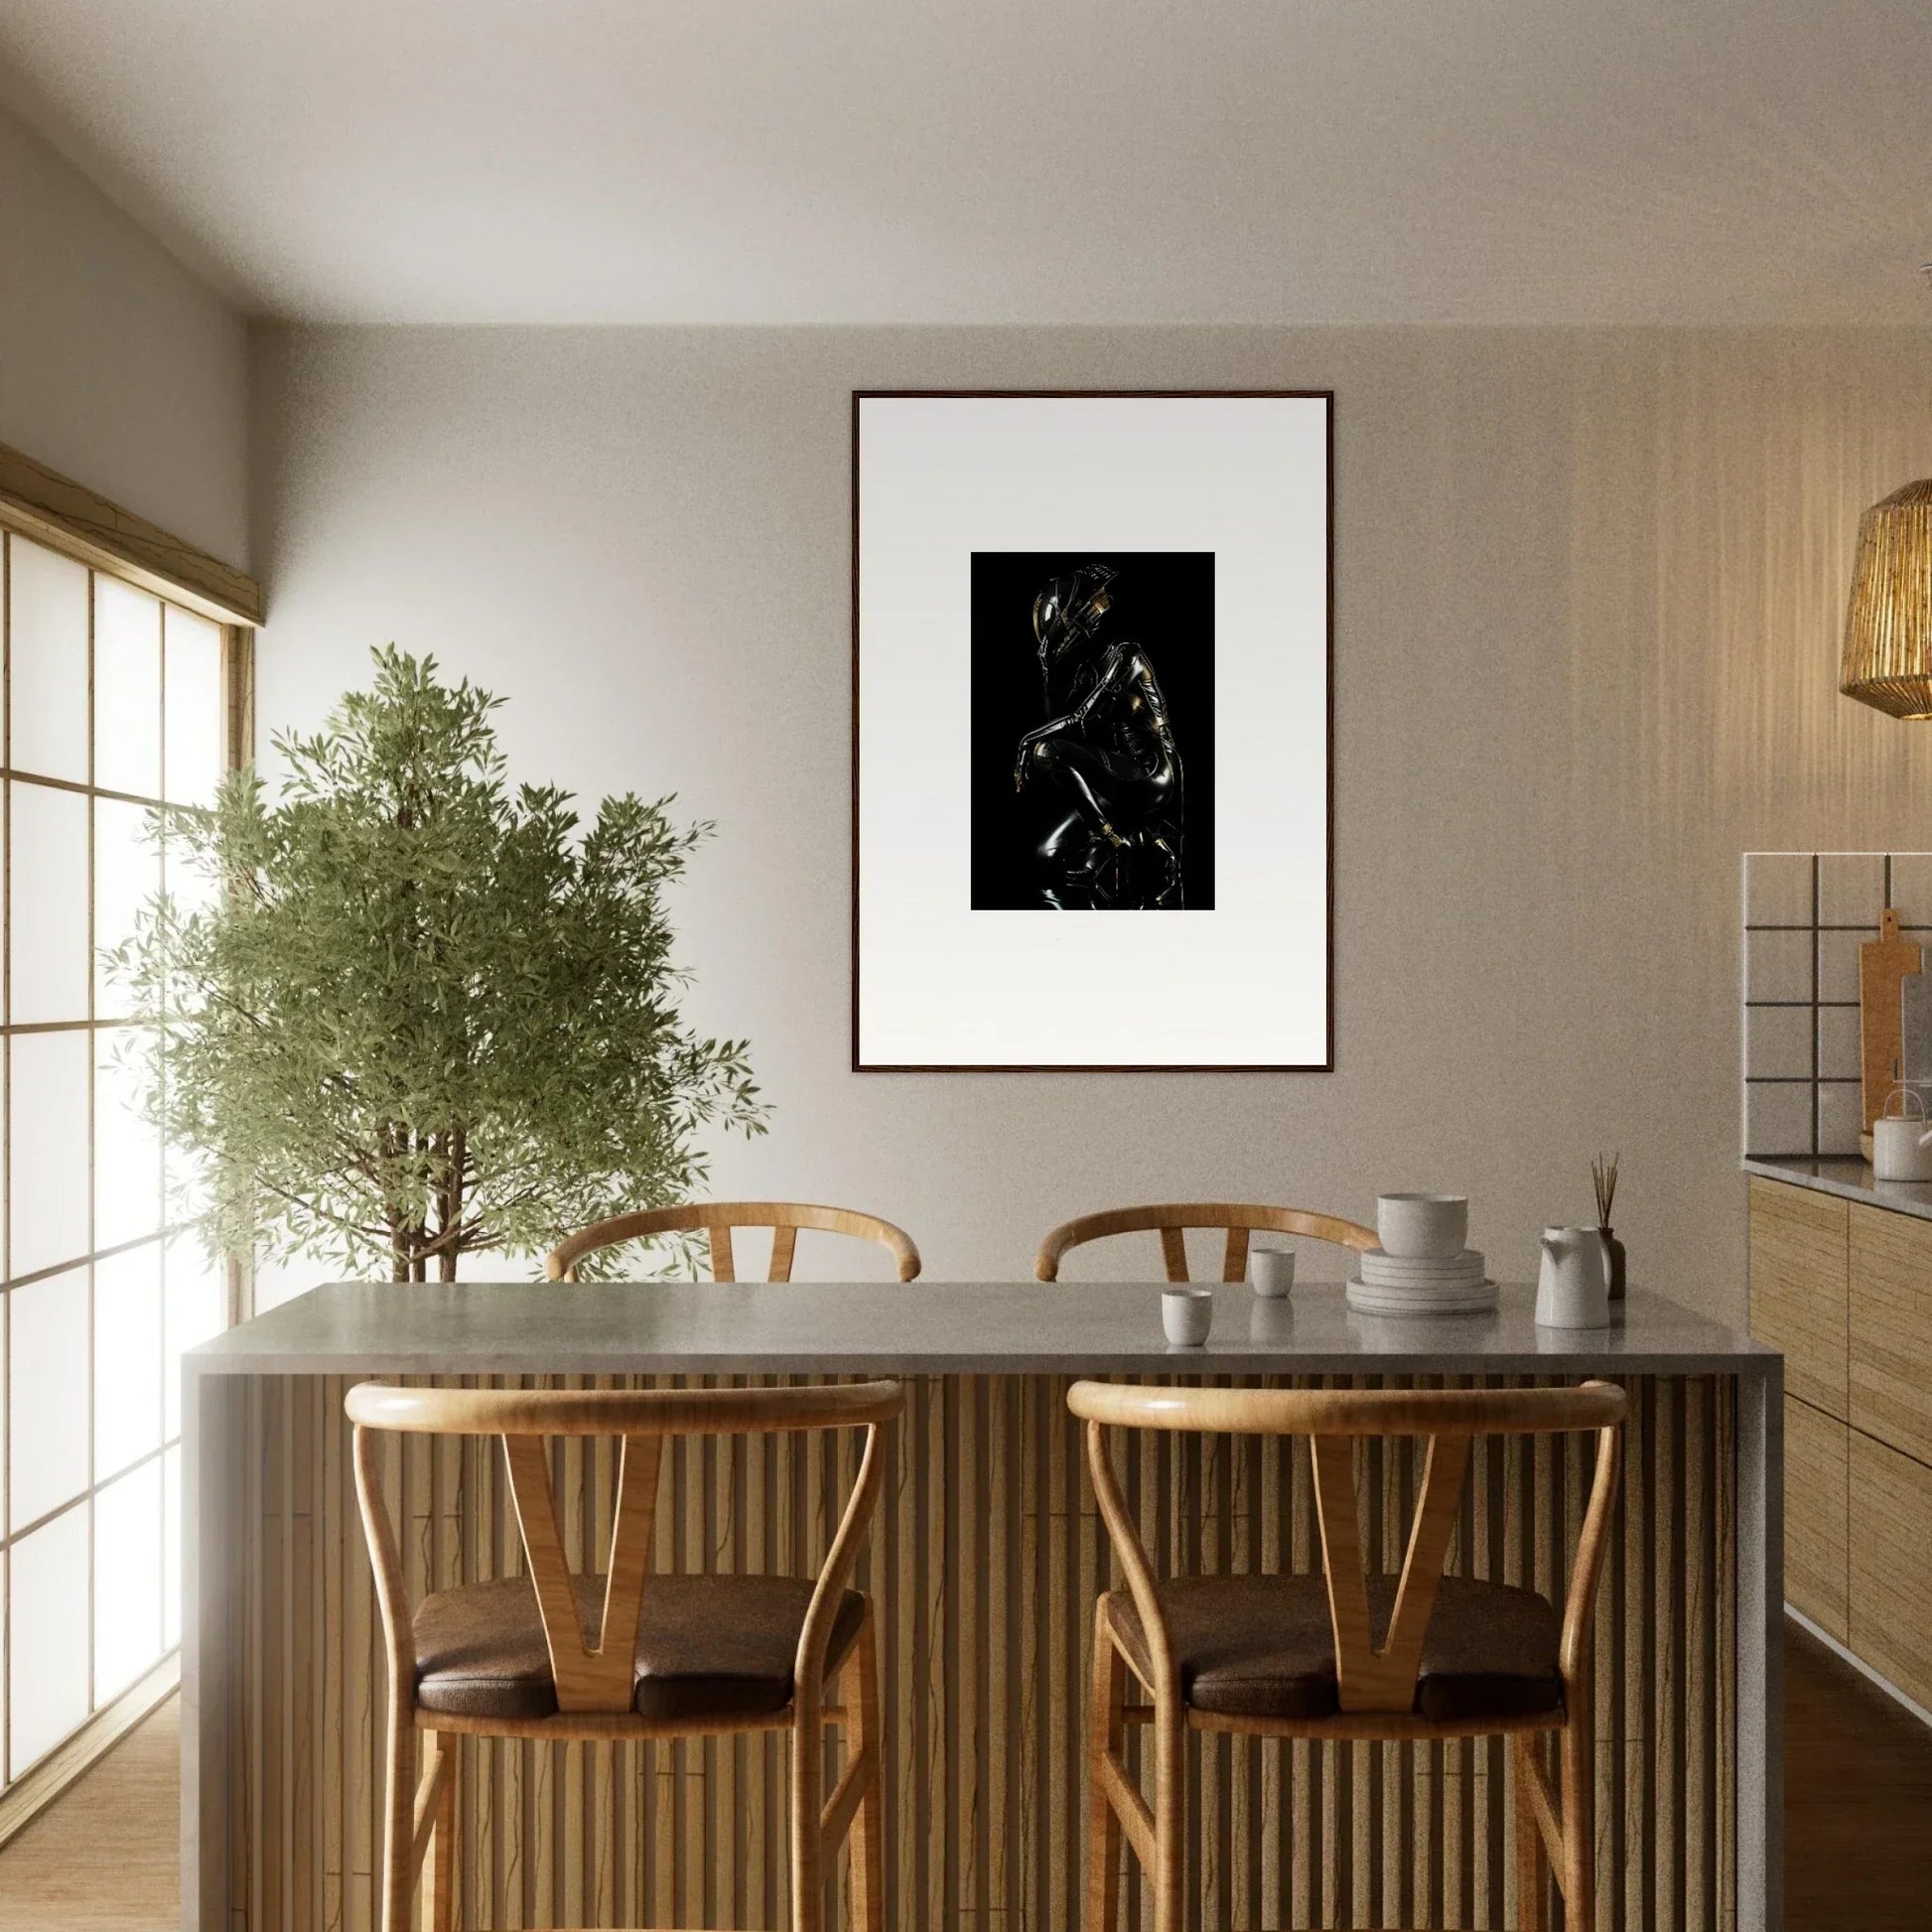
point(1092, 643)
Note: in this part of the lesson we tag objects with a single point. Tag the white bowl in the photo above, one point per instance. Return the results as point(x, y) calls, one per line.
point(1412, 1226)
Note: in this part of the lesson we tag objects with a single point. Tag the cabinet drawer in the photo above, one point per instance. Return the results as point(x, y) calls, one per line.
point(1892, 1565)
point(1892, 1329)
point(1816, 1505)
point(1798, 1288)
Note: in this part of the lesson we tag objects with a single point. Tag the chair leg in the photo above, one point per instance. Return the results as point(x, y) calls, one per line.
point(399, 1820)
point(1531, 1882)
point(1577, 1797)
point(807, 1801)
point(1106, 1734)
point(439, 1905)
point(869, 1828)
point(1170, 1813)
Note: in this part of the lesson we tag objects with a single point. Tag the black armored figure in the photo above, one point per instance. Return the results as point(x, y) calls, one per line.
point(1108, 751)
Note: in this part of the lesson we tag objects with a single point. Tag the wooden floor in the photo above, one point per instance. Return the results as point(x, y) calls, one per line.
point(105, 1857)
point(1857, 1803)
point(1857, 1819)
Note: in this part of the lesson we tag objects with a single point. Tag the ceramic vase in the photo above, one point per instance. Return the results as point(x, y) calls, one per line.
point(1614, 1248)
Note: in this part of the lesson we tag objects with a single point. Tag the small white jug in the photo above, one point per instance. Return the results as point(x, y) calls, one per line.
point(1574, 1289)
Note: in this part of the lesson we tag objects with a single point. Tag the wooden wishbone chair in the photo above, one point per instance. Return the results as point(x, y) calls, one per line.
point(1173, 1219)
point(1347, 1655)
point(672, 1656)
point(718, 1218)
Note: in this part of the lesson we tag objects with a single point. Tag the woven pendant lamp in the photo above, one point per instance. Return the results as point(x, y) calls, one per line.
point(1888, 629)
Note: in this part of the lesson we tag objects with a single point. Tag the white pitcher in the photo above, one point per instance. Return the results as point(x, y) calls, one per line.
point(1574, 1289)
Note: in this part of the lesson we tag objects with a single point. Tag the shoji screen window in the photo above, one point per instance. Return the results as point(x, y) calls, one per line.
point(115, 699)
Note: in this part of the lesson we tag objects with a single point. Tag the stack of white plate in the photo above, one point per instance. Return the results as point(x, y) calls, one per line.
point(1389, 1284)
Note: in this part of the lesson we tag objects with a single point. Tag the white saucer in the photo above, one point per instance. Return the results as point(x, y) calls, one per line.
point(1382, 1271)
point(1479, 1299)
point(1420, 1265)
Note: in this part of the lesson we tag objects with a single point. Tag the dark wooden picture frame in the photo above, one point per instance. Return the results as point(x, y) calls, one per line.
point(860, 1064)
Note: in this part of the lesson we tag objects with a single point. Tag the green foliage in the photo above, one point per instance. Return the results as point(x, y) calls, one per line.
point(420, 1016)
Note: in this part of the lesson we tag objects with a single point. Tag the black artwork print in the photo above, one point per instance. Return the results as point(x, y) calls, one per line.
point(1093, 731)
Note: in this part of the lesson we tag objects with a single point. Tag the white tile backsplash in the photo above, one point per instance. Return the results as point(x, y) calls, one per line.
point(1777, 966)
point(1778, 887)
point(1806, 915)
point(1851, 888)
point(1911, 887)
point(1777, 1043)
point(1837, 963)
point(1778, 1117)
point(1841, 1116)
point(1837, 1044)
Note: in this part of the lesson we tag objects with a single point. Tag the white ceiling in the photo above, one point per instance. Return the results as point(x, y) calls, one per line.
point(1001, 161)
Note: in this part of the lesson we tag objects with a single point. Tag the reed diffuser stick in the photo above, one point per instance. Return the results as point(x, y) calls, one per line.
point(1602, 1174)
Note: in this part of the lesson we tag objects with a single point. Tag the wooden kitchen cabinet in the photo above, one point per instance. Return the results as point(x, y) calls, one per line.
point(1817, 1455)
point(1800, 1289)
point(1892, 1329)
point(1843, 1289)
point(1892, 1565)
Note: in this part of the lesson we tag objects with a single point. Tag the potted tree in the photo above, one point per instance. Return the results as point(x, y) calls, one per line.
point(415, 1014)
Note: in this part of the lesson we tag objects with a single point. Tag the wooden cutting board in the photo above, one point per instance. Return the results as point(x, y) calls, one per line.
point(1884, 963)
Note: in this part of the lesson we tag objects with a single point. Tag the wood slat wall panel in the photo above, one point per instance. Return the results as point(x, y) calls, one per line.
point(985, 1560)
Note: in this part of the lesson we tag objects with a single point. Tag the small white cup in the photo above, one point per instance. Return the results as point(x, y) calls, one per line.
point(1423, 1226)
point(1187, 1314)
point(1272, 1270)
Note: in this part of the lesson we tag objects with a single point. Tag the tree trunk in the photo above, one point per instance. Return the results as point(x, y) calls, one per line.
point(449, 1197)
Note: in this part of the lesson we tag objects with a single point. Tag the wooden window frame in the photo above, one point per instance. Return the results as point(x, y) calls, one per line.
point(48, 509)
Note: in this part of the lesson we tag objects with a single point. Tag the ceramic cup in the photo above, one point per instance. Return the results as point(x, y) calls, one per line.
point(1420, 1226)
point(1272, 1270)
point(1187, 1314)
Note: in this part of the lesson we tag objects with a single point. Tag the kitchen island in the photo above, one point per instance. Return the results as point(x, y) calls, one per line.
point(985, 1560)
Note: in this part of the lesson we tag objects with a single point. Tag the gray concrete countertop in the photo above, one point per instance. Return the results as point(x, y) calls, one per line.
point(1850, 1179)
point(931, 1328)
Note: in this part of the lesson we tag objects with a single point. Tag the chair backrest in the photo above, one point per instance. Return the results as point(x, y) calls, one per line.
point(1372, 1675)
point(1173, 1219)
point(595, 1674)
point(717, 1218)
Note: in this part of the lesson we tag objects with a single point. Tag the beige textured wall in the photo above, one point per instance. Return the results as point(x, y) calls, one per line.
point(117, 366)
point(1589, 588)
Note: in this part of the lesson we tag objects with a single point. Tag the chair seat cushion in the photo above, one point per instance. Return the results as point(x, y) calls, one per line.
point(707, 1646)
point(1263, 1647)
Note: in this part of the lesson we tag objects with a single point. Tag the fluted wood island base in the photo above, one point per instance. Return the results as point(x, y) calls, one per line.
point(985, 1562)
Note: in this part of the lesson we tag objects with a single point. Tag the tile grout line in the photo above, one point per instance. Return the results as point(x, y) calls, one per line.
point(1817, 913)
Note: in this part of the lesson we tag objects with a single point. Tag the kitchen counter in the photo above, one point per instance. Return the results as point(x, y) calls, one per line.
point(1848, 1177)
point(928, 1329)
point(984, 1558)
